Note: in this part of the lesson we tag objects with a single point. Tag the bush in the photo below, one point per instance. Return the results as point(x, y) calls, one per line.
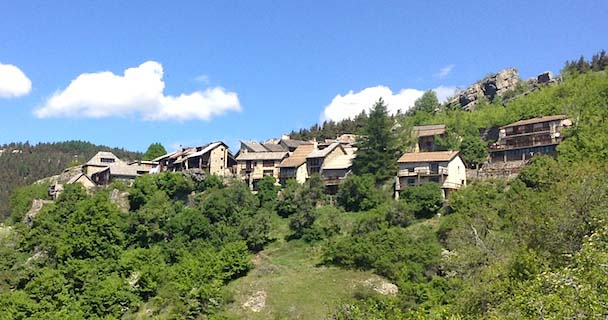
point(425, 200)
point(358, 193)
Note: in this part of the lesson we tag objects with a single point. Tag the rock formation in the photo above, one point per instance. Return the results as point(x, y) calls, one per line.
point(489, 87)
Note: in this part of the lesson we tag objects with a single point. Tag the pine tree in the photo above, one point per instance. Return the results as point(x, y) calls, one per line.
point(378, 152)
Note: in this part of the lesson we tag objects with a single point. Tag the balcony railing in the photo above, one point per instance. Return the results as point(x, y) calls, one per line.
point(332, 181)
point(524, 145)
point(424, 171)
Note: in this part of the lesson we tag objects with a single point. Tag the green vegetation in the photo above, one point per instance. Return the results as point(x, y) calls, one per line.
point(378, 150)
point(154, 151)
point(22, 164)
point(531, 247)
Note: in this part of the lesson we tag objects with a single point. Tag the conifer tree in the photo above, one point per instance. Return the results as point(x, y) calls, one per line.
point(378, 152)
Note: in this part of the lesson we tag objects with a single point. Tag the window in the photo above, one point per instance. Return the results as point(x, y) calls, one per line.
point(268, 163)
point(107, 160)
point(268, 172)
point(434, 179)
point(411, 182)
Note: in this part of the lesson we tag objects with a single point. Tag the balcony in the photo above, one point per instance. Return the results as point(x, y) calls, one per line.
point(332, 181)
point(423, 171)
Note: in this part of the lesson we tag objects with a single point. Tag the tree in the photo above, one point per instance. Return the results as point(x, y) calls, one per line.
point(358, 193)
point(473, 150)
point(425, 200)
point(428, 102)
point(378, 152)
point(154, 151)
point(267, 191)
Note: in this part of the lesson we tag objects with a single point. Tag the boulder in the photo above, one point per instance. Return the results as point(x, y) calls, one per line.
point(545, 77)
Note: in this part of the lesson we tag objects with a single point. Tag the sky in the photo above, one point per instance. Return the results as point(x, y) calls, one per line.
point(184, 73)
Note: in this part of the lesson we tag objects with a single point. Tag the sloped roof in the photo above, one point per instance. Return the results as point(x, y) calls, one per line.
point(429, 130)
point(123, 170)
point(96, 159)
point(261, 156)
point(76, 177)
point(206, 148)
point(436, 156)
point(298, 157)
point(290, 143)
point(324, 152)
point(164, 156)
point(536, 120)
point(339, 162)
point(253, 146)
point(273, 147)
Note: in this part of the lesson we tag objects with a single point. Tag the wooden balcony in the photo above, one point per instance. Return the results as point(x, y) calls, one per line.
point(424, 171)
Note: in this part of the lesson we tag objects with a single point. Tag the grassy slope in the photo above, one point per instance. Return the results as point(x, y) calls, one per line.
point(296, 287)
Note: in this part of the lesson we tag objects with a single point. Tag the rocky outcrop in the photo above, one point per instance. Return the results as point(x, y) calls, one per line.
point(120, 199)
point(37, 205)
point(494, 85)
point(63, 177)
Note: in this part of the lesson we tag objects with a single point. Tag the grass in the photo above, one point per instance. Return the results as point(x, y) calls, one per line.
point(296, 286)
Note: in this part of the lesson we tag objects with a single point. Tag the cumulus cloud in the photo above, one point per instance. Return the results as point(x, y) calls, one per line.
point(138, 92)
point(13, 82)
point(351, 104)
point(445, 92)
point(445, 71)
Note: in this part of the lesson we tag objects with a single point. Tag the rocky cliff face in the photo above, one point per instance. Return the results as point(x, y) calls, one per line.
point(489, 87)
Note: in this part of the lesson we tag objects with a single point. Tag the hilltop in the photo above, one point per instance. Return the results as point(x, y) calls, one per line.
point(22, 163)
point(531, 246)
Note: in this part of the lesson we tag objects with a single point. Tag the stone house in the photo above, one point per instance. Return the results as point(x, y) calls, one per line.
point(335, 170)
point(427, 137)
point(213, 158)
point(316, 159)
point(443, 167)
point(254, 166)
point(294, 167)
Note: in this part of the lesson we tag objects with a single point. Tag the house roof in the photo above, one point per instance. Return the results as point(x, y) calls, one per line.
point(536, 120)
point(273, 147)
point(429, 130)
point(96, 159)
point(261, 156)
point(136, 162)
point(339, 162)
point(123, 170)
point(436, 156)
point(76, 177)
point(253, 146)
point(164, 156)
point(298, 157)
point(205, 149)
point(290, 143)
point(324, 152)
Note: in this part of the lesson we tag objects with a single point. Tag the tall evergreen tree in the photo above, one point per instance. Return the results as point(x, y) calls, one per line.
point(154, 151)
point(378, 152)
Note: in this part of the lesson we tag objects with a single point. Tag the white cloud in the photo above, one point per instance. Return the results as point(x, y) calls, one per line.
point(203, 78)
point(445, 92)
point(138, 92)
point(351, 104)
point(445, 71)
point(13, 82)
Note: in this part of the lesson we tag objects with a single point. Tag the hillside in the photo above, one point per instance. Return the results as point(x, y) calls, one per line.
point(23, 163)
point(524, 248)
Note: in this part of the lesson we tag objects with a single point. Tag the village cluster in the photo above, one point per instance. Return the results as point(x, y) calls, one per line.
point(332, 159)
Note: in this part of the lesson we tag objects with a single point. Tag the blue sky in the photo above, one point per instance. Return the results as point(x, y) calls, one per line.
point(235, 70)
